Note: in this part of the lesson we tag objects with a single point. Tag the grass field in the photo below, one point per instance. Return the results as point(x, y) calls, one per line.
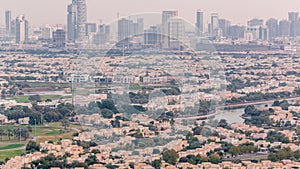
point(25, 98)
point(53, 132)
point(52, 129)
point(46, 84)
point(11, 146)
point(10, 154)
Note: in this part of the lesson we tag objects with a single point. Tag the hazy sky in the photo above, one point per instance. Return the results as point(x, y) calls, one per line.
point(40, 12)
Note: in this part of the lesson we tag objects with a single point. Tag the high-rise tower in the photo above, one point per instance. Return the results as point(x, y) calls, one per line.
point(166, 16)
point(72, 21)
point(81, 18)
point(176, 31)
point(199, 22)
point(21, 29)
point(294, 23)
point(272, 25)
point(77, 18)
point(214, 24)
point(8, 21)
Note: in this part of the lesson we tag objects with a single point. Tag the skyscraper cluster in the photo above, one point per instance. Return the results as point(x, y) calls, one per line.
point(256, 29)
point(167, 34)
point(128, 28)
point(18, 28)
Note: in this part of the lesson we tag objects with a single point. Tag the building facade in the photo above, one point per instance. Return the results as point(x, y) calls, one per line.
point(199, 23)
point(272, 25)
point(166, 16)
point(59, 38)
point(8, 22)
point(176, 31)
point(21, 29)
point(77, 18)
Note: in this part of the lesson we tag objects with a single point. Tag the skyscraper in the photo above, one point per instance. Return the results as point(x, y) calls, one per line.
point(166, 16)
point(214, 24)
point(77, 17)
point(255, 22)
point(294, 23)
point(46, 33)
point(272, 25)
point(125, 29)
point(236, 32)
point(59, 38)
point(224, 26)
point(293, 16)
point(139, 26)
point(199, 22)
point(72, 21)
point(13, 27)
point(284, 28)
point(176, 31)
point(21, 29)
point(103, 35)
point(151, 36)
point(8, 21)
point(257, 33)
point(128, 28)
point(81, 18)
point(90, 28)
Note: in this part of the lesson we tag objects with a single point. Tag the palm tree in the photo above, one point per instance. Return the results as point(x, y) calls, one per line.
point(9, 133)
point(1, 133)
point(25, 133)
point(16, 133)
point(65, 123)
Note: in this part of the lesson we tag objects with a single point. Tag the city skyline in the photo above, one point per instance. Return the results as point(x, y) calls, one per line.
point(237, 12)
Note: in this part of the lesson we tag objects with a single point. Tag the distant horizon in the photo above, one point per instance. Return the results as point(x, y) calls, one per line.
point(238, 12)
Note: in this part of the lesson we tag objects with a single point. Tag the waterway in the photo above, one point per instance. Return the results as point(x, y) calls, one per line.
point(234, 115)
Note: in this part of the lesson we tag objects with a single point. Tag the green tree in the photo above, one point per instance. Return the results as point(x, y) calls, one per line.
point(65, 123)
point(9, 131)
point(155, 151)
point(106, 113)
point(35, 98)
point(156, 164)
point(95, 151)
point(223, 123)
point(215, 158)
point(131, 165)
point(91, 160)
point(1, 133)
point(234, 150)
point(32, 146)
point(170, 156)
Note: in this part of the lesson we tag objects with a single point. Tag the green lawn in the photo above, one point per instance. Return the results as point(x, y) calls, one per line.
point(11, 146)
point(55, 132)
point(10, 154)
point(43, 84)
point(54, 129)
point(25, 98)
point(44, 133)
point(22, 99)
point(46, 130)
